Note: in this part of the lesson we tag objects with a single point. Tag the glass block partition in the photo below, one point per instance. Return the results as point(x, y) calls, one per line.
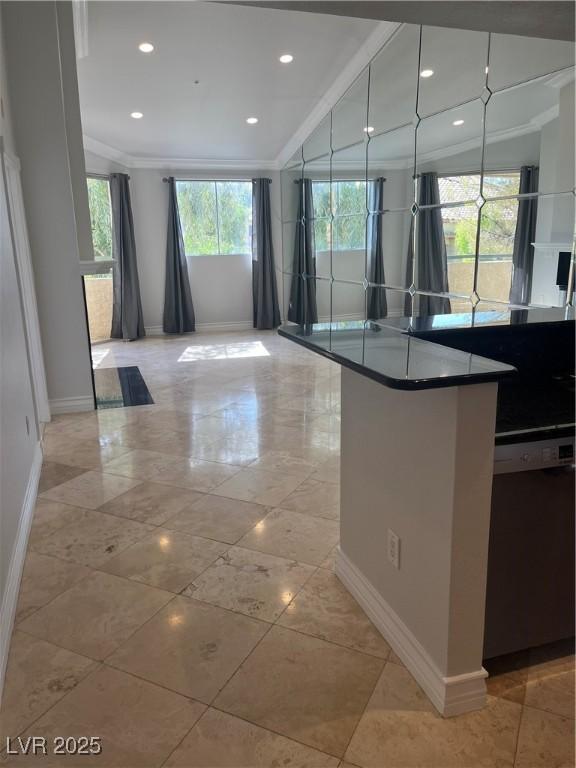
point(441, 181)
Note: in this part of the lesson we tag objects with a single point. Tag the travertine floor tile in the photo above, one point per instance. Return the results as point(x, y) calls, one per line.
point(139, 723)
point(166, 559)
point(283, 462)
point(152, 503)
point(55, 473)
point(294, 536)
point(37, 676)
point(219, 740)
point(217, 517)
point(401, 728)
point(190, 647)
point(88, 454)
point(233, 450)
point(328, 471)
point(198, 475)
point(324, 608)
point(258, 486)
point(507, 676)
point(251, 582)
point(51, 516)
point(140, 465)
point(330, 562)
point(93, 539)
point(545, 740)
point(304, 688)
point(281, 412)
point(95, 616)
point(551, 680)
point(90, 490)
point(43, 579)
point(315, 498)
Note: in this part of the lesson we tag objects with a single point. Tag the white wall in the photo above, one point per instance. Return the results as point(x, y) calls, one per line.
point(19, 435)
point(221, 285)
point(46, 116)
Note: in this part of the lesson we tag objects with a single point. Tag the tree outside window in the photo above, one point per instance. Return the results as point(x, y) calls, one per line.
point(497, 220)
point(346, 199)
point(216, 217)
point(100, 217)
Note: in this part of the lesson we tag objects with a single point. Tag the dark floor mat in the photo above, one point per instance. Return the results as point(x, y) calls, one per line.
point(120, 387)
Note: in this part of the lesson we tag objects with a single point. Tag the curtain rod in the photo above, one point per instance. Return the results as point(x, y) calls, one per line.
point(106, 176)
point(327, 181)
point(166, 179)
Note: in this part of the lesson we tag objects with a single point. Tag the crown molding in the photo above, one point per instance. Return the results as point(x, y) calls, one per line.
point(201, 164)
point(174, 163)
point(383, 32)
point(561, 78)
point(438, 154)
point(106, 151)
point(545, 117)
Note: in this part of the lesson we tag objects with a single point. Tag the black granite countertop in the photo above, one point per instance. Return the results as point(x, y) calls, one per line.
point(414, 353)
point(395, 358)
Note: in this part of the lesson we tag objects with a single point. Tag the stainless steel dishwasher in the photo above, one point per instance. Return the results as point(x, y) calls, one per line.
point(530, 588)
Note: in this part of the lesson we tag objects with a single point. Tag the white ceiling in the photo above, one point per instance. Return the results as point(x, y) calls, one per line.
point(233, 51)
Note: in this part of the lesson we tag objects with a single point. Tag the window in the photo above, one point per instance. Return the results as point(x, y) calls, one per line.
point(100, 217)
point(498, 219)
point(216, 217)
point(349, 209)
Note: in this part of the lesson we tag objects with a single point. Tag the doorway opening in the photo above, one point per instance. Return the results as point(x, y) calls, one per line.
point(115, 385)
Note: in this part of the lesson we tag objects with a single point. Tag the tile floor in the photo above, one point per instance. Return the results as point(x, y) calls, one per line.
point(179, 599)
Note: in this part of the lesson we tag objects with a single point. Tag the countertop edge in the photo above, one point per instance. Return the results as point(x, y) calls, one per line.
point(403, 384)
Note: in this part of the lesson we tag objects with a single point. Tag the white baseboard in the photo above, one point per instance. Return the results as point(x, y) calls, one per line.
point(71, 405)
point(450, 695)
point(10, 599)
point(238, 325)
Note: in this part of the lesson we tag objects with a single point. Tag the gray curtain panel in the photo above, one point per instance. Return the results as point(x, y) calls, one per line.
point(523, 253)
point(302, 307)
point(178, 307)
point(264, 290)
point(127, 319)
point(430, 247)
point(376, 304)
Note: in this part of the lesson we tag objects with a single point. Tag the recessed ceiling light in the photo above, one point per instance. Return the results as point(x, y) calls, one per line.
point(136, 115)
point(251, 120)
point(146, 47)
point(369, 129)
point(458, 122)
point(427, 73)
point(286, 58)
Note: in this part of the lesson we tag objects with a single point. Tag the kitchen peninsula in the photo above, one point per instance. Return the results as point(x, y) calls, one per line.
point(418, 434)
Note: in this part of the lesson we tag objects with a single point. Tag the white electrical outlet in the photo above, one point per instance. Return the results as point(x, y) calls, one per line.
point(394, 548)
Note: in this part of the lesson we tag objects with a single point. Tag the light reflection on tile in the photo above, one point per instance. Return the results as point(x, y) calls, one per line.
point(217, 517)
point(251, 582)
point(165, 559)
point(190, 647)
